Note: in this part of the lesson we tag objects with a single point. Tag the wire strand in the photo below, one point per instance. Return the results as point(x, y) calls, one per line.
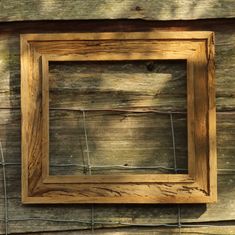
point(5, 189)
point(175, 168)
point(89, 166)
point(86, 141)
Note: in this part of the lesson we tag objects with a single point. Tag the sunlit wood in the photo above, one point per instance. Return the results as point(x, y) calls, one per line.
point(199, 186)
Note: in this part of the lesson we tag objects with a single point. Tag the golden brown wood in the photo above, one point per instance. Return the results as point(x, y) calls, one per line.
point(10, 131)
point(190, 117)
point(136, 178)
point(212, 118)
point(201, 117)
point(24, 110)
point(197, 187)
point(45, 119)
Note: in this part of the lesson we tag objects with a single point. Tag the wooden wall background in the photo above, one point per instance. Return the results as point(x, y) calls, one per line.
point(25, 16)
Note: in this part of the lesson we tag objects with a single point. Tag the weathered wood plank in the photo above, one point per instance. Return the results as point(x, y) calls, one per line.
point(130, 136)
point(10, 137)
point(10, 127)
point(108, 85)
point(225, 62)
point(129, 9)
point(81, 216)
point(116, 139)
point(206, 230)
point(222, 211)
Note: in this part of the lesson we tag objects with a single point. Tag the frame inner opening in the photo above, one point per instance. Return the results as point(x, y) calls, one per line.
point(117, 117)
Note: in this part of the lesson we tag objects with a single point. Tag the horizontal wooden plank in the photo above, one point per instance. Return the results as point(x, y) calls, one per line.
point(116, 139)
point(194, 230)
point(225, 62)
point(10, 132)
point(107, 85)
point(163, 35)
point(129, 9)
point(115, 215)
point(10, 137)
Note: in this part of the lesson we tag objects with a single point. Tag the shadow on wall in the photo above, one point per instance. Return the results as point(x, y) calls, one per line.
point(112, 9)
point(10, 109)
point(117, 138)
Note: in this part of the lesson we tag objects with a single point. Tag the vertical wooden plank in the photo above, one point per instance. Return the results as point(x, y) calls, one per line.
point(25, 65)
point(31, 103)
point(45, 116)
point(212, 119)
point(201, 117)
point(191, 117)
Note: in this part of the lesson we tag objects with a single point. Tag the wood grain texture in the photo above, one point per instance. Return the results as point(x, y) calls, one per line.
point(225, 48)
point(45, 118)
point(211, 212)
point(102, 9)
point(201, 121)
point(220, 211)
point(212, 116)
point(10, 136)
point(191, 118)
point(24, 108)
point(134, 138)
point(205, 229)
point(156, 45)
point(93, 83)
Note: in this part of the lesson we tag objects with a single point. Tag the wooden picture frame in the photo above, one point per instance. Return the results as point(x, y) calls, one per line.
point(198, 186)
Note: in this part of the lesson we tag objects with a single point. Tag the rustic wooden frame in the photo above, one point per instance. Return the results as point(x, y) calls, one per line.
point(198, 186)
